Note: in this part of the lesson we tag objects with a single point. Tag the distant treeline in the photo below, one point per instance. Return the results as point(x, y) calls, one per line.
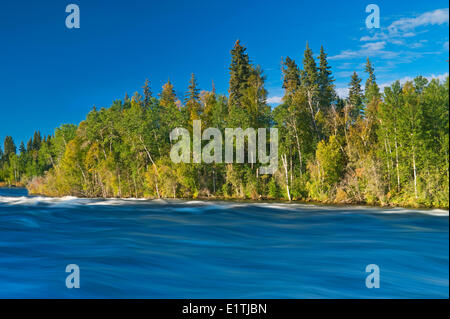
point(386, 148)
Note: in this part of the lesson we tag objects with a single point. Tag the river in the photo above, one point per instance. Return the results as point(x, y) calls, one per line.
point(211, 249)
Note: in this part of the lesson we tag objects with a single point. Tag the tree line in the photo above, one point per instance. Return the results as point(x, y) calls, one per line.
point(383, 147)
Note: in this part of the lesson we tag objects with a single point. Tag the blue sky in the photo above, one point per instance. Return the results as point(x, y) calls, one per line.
point(50, 75)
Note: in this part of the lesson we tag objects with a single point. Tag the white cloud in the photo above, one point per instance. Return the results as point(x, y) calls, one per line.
point(342, 92)
point(344, 66)
point(436, 17)
point(371, 49)
point(417, 44)
point(343, 74)
point(405, 27)
point(445, 46)
point(374, 46)
point(409, 35)
point(397, 41)
point(396, 33)
point(275, 100)
point(376, 37)
point(440, 77)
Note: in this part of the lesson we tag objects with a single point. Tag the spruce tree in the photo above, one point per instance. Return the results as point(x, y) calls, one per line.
point(147, 93)
point(309, 81)
point(172, 115)
point(192, 100)
point(309, 75)
point(325, 81)
point(193, 91)
point(126, 101)
point(167, 96)
point(9, 147)
point(240, 70)
point(30, 145)
point(371, 89)
point(22, 149)
point(355, 96)
point(291, 76)
point(37, 140)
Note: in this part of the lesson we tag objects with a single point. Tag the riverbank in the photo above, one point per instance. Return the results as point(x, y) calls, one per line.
point(12, 185)
point(329, 202)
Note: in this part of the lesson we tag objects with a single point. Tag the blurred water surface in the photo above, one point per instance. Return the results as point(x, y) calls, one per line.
point(207, 249)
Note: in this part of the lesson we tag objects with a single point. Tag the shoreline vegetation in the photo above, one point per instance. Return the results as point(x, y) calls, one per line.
point(376, 147)
point(12, 185)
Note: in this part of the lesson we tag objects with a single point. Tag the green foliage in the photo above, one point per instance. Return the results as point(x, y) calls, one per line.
point(192, 101)
point(331, 161)
point(389, 148)
point(9, 147)
point(240, 70)
point(355, 96)
point(325, 81)
point(274, 191)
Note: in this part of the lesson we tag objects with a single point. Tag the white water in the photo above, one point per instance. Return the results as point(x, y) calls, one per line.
point(72, 200)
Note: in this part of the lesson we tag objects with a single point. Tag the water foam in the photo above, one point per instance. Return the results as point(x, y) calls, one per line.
point(72, 200)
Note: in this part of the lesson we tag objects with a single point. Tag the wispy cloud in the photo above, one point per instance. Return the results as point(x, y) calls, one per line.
point(417, 44)
point(406, 27)
point(342, 92)
point(374, 46)
point(371, 49)
point(399, 33)
point(436, 17)
point(376, 37)
point(344, 74)
point(274, 99)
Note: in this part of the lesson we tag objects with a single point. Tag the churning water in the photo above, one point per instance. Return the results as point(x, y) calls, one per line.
point(206, 249)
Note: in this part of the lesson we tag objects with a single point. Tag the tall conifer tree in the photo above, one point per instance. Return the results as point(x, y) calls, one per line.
point(192, 100)
point(9, 147)
point(371, 88)
point(355, 96)
point(240, 70)
point(325, 81)
point(167, 96)
point(22, 149)
point(291, 76)
point(309, 79)
point(147, 93)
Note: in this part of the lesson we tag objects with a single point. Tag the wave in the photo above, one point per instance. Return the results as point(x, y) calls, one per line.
point(35, 200)
point(74, 201)
point(399, 210)
point(199, 202)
